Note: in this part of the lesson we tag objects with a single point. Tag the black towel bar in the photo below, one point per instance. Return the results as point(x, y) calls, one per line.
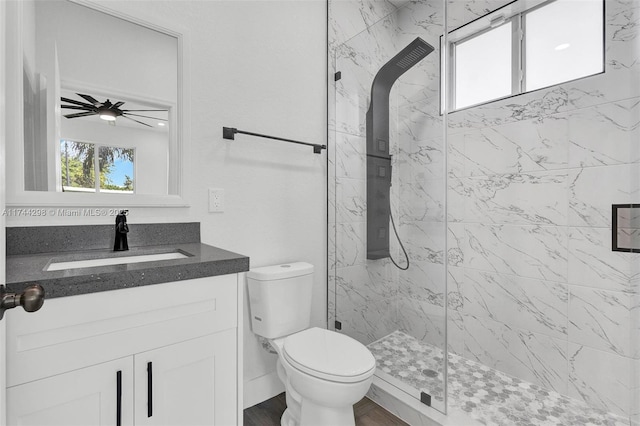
point(229, 133)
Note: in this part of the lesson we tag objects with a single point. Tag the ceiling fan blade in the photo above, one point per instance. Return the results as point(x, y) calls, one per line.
point(140, 122)
point(81, 114)
point(127, 110)
point(71, 101)
point(117, 105)
point(77, 107)
point(90, 99)
point(145, 116)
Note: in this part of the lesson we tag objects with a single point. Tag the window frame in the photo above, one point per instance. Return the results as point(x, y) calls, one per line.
point(518, 50)
point(515, 60)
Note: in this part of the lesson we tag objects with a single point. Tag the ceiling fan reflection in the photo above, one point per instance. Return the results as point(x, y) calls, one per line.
point(106, 110)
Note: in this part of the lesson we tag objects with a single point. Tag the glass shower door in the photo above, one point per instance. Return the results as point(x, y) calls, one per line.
point(387, 278)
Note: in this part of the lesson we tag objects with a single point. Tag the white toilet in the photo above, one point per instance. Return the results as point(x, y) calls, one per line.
point(324, 372)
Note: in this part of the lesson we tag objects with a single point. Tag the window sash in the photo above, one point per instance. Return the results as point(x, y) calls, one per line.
point(518, 57)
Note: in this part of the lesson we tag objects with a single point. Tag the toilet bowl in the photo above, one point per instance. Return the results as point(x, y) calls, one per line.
point(324, 372)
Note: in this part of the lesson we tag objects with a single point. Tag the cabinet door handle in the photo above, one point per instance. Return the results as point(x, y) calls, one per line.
point(149, 389)
point(118, 398)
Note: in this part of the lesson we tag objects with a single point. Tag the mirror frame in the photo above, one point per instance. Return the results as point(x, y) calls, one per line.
point(179, 151)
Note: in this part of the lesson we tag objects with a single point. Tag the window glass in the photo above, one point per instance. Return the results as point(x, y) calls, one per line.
point(550, 43)
point(483, 69)
point(116, 169)
point(564, 41)
point(77, 166)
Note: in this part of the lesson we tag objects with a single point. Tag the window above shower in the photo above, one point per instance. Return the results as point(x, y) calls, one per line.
point(522, 47)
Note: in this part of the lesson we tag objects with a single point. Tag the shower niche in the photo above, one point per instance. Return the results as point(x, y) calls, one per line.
point(625, 228)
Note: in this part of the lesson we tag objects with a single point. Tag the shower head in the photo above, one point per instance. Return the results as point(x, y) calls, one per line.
point(408, 57)
point(378, 158)
point(378, 113)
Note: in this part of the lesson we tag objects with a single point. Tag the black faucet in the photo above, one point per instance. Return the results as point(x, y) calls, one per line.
point(121, 232)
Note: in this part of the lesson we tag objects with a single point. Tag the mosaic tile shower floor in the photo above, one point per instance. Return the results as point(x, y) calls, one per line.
point(485, 394)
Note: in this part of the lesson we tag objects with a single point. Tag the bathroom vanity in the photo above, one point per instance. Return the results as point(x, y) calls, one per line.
point(162, 346)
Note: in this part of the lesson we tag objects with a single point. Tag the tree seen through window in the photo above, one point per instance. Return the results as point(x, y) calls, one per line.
point(114, 167)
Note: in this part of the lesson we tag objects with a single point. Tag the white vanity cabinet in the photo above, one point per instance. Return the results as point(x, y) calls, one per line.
point(100, 358)
point(88, 396)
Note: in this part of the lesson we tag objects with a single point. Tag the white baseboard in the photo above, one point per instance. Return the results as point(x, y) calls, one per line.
point(262, 388)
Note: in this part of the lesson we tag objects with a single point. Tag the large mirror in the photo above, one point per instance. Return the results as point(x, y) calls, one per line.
point(101, 108)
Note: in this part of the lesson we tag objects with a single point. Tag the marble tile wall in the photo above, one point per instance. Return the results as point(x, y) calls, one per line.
point(534, 289)
point(532, 180)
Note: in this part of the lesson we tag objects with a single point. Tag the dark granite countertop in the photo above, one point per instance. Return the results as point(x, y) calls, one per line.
point(202, 261)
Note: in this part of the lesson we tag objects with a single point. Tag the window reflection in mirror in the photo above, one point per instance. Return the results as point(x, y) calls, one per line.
point(79, 167)
point(97, 84)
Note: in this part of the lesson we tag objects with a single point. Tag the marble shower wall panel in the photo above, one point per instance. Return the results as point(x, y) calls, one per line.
point(351, 156)
point(526, 304)
point(588, 205)
point(424, 241)
point(349, 18)
point(419, 122)
point(346, 20)
point(423, 281)
point(422, 320)
point(536, 198)
point(422, 200)
point(600, 320)
point(534, 145)
point(532, 180)
point(603, 135)
point(455, 320)
point(593, 264)
point(364, 316)
point(600, 378)
point(538, 252)
point(533, 357)
point(351, 203)
point(350, 242)
point(358, 61)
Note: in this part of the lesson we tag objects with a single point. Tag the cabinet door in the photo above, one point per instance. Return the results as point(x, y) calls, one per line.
point(188, 383)
point(95, 395)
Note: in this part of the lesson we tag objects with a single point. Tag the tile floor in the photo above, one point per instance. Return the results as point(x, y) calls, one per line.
point(485, 394)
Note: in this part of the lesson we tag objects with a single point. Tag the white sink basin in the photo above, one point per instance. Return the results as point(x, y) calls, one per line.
point(58, 266)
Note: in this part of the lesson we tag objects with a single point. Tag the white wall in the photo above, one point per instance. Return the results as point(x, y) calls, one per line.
point(258, 66)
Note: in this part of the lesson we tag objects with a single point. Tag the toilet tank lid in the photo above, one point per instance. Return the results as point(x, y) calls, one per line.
point(276, 272)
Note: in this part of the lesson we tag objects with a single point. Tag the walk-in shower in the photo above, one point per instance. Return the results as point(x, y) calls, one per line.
point(515, 309)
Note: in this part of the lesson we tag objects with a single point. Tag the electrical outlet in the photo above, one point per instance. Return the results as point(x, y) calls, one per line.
point(216, 200)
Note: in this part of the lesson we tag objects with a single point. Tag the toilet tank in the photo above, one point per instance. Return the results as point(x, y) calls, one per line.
point(280, 298)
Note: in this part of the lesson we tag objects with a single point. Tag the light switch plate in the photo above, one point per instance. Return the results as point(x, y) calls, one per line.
point(216, 200)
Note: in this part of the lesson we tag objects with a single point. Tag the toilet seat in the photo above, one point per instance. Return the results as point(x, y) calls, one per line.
point(328, 355)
